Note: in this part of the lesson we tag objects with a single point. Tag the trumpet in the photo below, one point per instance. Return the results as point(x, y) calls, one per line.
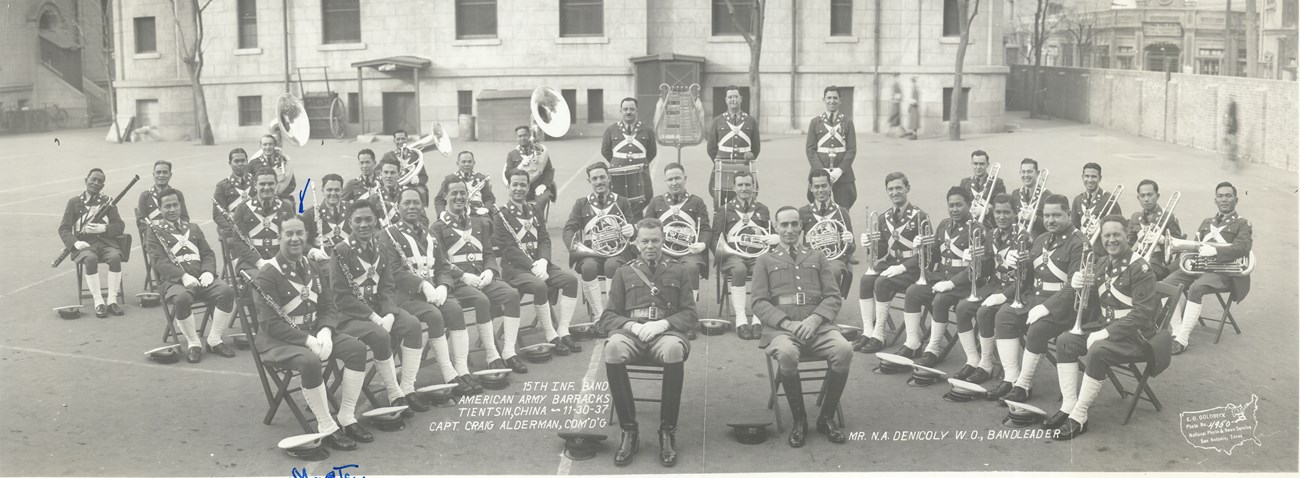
point(678, 237)
point(1149, 236)
point(827, 236)
point(975, 243)
point(869, 243)
point(1028, 213)
point(1191, 262)
point(1091, 223)
point(986, 194)
point(923, 232)
point(1088, 274)
point(1019, 237)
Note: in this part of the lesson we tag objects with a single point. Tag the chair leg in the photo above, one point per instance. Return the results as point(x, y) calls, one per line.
point(773, 401)
point(1119, 387)
point(1137, 396)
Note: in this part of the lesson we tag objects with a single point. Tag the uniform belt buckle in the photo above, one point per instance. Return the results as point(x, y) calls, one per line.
point(1108, 313)
point(653, 313)
point(800, 299)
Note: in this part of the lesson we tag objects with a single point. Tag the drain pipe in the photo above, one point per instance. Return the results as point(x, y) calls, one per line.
point(875, 75)
point(284, 31)
point(794, 53)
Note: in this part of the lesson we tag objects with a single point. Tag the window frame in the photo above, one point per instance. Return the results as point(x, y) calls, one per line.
point(326, 28)
point(578, 4)
point(964, 106)
point(152, 33)
point(245, 19)
point(719, 16)
point(844, 16)
point(461, 24)
point(245, 115)
point(951, 12)
point(595, 105)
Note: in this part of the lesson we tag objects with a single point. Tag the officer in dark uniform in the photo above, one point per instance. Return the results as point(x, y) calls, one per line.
point(580, 228)
point(532, 158)
point(796, 295)
point(481, 200)
point(384, 197)
point(947, 279)
point(824, 209)
point(232, 192)
point(358, 189)
point(732, 140)
point(187, 271)
point(832, 145)
point(679, 206)
point(1148, 194)
point(333, 223)
point(895, 269)
point(630, 143)
point(995, 274)
point(1022, 196)
point(976, 184)
point(271, 157)
point(259, 220)
point(1093, 198)
point(1225, 237)
point(651, 308)
point(95, 242)
point(742, 215)
point(149, 208)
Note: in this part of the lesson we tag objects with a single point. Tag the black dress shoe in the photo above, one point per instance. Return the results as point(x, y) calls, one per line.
point(667, 446)
point(826, 426)
point(859, 343)
point(978, 376)
point(1056, 421)
point(1016, 394)
point(927, 359)
point(690, 334)
point(194, 354)
point(965, 372)
point(560, 349)
point(742, 332)
point(115, 309)
point(1069, 430)
point(221, 349)
point(358, 434)
point(498, 363)
point(905, 351)
point(797, 433)
point(513, 363)
point(853, 261)
point(573, 346)
point(465, 386)
point(1178, 348)
point(413, 402)
point(101, 311)
point(1003, 388)
point(756, 331)
point(627, 448)
point(872, 346)
point(340, 441)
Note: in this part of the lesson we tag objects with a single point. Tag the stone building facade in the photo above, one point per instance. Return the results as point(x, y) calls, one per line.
point(55, 54)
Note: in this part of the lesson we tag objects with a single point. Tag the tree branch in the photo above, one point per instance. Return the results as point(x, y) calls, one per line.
point(744, 32)
point(974, 12)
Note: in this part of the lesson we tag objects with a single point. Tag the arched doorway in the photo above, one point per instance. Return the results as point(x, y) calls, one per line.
point(1162, 57)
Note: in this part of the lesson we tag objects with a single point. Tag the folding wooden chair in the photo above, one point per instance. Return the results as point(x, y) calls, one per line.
point(806, 374)
point(1157, 351)
point(282, 378)
point(646, 372)
point(203, 309)
point(1225, 319)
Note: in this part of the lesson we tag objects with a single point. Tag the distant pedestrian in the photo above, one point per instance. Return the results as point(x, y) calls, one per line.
point(1230, 137)
point(913, 111)
point(896, 108)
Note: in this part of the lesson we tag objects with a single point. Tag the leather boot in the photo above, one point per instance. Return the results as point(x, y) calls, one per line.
point(794, 395)
point(627, 448)
point(835, 383)
point(671, 394)
point(620, 391)
point(667, 445)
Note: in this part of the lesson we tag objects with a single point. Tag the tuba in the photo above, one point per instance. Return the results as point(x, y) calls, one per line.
point(678, 237)
point(986, 194)
point(605, 235)
point(1149, 236)
point(549, 113)
point(1091, 223)
point(1191, 262)
point(291, 118)
point(826, 236)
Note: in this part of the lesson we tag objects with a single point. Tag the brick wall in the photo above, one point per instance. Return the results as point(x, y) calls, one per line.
point(1182, 109)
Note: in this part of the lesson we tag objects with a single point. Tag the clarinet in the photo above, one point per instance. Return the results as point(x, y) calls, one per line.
point(270, 301)
point(171, 256)
point(225, 215)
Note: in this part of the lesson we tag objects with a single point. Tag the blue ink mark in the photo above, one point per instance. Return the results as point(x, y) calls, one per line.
point(302, 194)
point(336, 472)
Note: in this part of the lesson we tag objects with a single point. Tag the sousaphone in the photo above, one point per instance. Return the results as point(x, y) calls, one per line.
point(549, 112)
point(291, 118)
point(411, 168)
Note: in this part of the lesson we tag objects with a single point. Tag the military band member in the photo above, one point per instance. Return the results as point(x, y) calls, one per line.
point(384, 197)
point(481, 200)
point(976, 184)
point(1048, 303)
point(519, 235)
point(995, 272)
point(361, 280)
point(149, 208)
point(895, 268)
point(824, 209)
point(1225, 237)
point(270, 156)
point(406, 159)
point(796, 295)
point(187, 271)
point(1023, 195)
point(1148, 193)
point(729, 223)
point(300, 331)
point(232, 192)
point(679, 205)
point(422, 276)
point(732, 138)
point(333, 227)
point(948, 280)
point(1121, 319)
point(650, 310)
point(259, 219)
point(474, 268)
point(95, 242)
point(832, 145)
point(627, 143)
point(579, 230)
point(1093, 198)
point(359, 188)
point(533, 159)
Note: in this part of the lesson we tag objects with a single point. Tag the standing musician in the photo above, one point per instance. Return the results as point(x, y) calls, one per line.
point(1148, 193)
point(406, 159)
point(832, 145)
point(361, 280)
point(259, 220)
point(187, 271)
point(650, 310)
point(732, 140)
point(631, 143)
point(385, 195)
point(977, 184)
point(149, 208)
point(270, 156)
point(473, 265)
point(299, 331)
point(481, 200)
point(677, 205)
point(1093, 198)
point(95, 242)
point(896, 269)
point(1121, 319)
point(740, 214)
point(532, 158)
point(948, 280)
point(797, 297)
point(581, 228)
point(823, 209)
point(1223, 238)
point(422, 275)
point(1047, 305)
point(359, 189)
point(333, 226)
point(1022, 196)
point(232, 191)
point(519, 235)
point(995, 273)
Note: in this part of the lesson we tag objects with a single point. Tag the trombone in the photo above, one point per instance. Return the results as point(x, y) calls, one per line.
point(1029, 212)
point(986, 194)
point(1091, 223)
point(1148, 237)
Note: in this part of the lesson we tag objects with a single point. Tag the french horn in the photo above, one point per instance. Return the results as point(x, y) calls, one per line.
point(605, 235)
point(827, 236)
point(678, 237)
point(749, 241)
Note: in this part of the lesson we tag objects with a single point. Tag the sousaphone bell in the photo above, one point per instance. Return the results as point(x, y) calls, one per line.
point(291, 118)
point(549, 112)
point(411, 168)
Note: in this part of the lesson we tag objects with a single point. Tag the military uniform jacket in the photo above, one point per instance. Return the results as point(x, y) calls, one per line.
point(415, 257)
point(298, 293)
point(994, 265)
point(1124, 300)
point(689, 208)
point(185, 241)
point(479, 188)
point(260, 222)
point(976, 188)
point(149, 209)
point(947, 254)
point(537, 163)
point(588, 208)
point(1086, 203)
point(407, 161)
point(384, 200)
point(735, 215)
point(731, 136)
point(76, 214)
point(832, 143)
point(519, 235)
point(358, 189)
point(231, 193)
point(814, 213)
point(898, 230)
point(361, 280)
point(1233, 236)
point(1142, 219)
point(778, 275)
point(467, 242)
point(1055, 258)
point(668, 297)
point(1022, 196)
point(286, 183)
point(334, 226)
point(624, 145)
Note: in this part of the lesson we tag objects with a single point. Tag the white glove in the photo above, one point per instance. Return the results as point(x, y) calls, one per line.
point(867, 240)
point(440, 294)
point(262, 262)
point(772, 239)
point(485, 278)
point(541, 188)
point(835, 174)
point(967, 255)
point(430, 294)
point(206, 278)
point(81, 245)
point(846, 236)
point(482, 211)
point(893, 270)
point(1102, 334)
point(627, 230)
point(994, 300)
point(651, 329)
point(189, 281)
point(316, 254)
point(944, 286)
point(314, 345)
point(635, 328)
point(1013, 259)
point(539, 268)
point(386, 321)
point(1076, 280)
point(1039, 311)
point(326, 338)
point(1207, 250)
point(95, 229)
point(976, 210)
point(695, 248)
point(471, 280)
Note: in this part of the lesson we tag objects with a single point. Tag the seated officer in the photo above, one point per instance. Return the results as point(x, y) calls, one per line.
point(187, 270)
point(481, 200)
point(797, 297)
point(650, 309)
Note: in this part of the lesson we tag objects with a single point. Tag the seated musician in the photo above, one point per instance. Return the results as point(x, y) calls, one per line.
point(532, 158)
point(187, 271)
point(631, 143)
point(333, 223)
point(259, 221)
point(232, 192)
point(978, 185)
point(270, 156)
point(1030, 177)
point(732, 141)
point(824, 208)
point(582, 235)
point(359, 188)
point(95, 241)
point(995, 274)
point(742, 215)
point(895, 269)
point(1224, 238)
point(149, 208)
point(948, 280)
point(650, 310)
point(1148, 193)
point(796, 295)
point(1093, 199)
point(677, 207)
point(406, 158)
point(481, 200)
point(385, 196)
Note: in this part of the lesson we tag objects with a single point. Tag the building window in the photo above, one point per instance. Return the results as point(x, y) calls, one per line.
point(465, 102)
point(354, 108)
point(246, 10)
point(582, 18)
point(720, 99)
point(1207, 66)
point(341, 21)
point(571, 98)
point(951, 19)
point(947, 103)
point(146, 111)
point(1125, 62)
point(146, 40)
point(595, 106)
point(476, 19)
point(250, 110)
point(841, 18)
point(722, 22)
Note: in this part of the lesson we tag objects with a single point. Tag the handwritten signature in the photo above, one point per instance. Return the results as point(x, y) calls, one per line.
point(337, 472)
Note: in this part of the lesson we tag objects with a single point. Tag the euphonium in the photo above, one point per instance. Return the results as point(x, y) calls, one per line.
point(1149, 237)
point(1081, 295)
point(1191, 262)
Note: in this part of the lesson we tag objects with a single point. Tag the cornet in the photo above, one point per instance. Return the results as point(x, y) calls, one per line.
point(1019, 273)
point(869, 241)
point(975, 243)
point(923, 232)
point(1088, 275)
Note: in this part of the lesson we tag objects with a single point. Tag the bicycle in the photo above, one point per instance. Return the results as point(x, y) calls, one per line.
point(57, 115)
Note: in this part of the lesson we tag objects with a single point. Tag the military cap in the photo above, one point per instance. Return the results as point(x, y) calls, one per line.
point(850, 332)
point(582, 446)
point(241, 341)
point(308, 447)
point(388, 419)
point(538, 353)
point(494, 379)
point(165, 355)
point(69, 311)
point(441, 395)
point(891, 363)
point(963, 391)
point(1021, 415)
point(750, 432)
point(149, 299)
point(714, 326)
point(923, 376)
point(583, 332)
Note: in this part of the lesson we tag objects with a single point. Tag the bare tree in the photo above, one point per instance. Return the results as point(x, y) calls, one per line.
point(1080, 27)
point(192, 55)
point(966, 11)
point(753, 34)
point(1044, 23)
